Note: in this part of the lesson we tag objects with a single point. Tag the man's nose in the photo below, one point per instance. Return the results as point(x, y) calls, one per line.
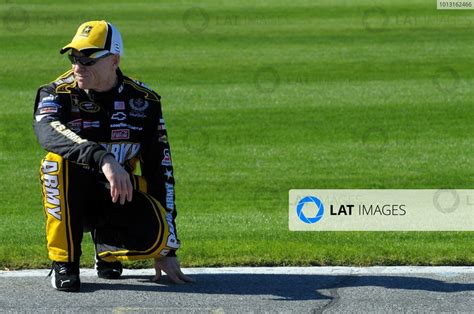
point(77, 67)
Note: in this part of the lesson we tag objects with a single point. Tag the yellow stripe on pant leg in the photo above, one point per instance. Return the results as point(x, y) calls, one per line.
point(53, 186)
point(67, 212)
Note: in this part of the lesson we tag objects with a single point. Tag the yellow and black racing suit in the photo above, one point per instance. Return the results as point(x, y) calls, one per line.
point(78, 128)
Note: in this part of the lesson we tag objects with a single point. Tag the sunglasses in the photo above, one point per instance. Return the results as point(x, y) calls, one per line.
point(86, 61)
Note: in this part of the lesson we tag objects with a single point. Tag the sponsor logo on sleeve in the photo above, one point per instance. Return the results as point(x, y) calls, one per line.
point(167, 158)
point(48, 104)
point(163, 139)
point(44, 110)
point(48, 101)
point(49, 98)
point(169, 196)
point(122, 151)
point(168, 173)
point(162, 125)
point(63, 130)
point(120, 134)
point(171, 242)
point(43, 104)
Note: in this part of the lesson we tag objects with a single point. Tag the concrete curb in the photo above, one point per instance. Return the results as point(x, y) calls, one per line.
point(324, 270)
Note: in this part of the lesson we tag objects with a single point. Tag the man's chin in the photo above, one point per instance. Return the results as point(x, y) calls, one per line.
point(82, 84)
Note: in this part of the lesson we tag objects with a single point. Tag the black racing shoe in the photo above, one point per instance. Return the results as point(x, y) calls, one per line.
point(108, 270)
point(65, 276)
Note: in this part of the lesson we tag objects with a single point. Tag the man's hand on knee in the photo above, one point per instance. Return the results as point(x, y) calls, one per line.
point(170, 265)
point(119, 179)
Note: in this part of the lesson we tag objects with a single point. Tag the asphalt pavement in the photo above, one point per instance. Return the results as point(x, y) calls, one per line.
point(257, 290)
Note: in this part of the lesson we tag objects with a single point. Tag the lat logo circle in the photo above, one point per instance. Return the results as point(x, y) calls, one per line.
point(446, 204)
point(319, 213)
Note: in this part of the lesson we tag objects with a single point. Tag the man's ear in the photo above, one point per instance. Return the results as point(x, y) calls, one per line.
point(116, 61)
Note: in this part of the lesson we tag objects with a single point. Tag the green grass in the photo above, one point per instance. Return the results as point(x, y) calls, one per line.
point(260, 99)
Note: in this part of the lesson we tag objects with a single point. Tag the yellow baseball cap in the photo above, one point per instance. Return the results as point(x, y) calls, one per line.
point(97, 38)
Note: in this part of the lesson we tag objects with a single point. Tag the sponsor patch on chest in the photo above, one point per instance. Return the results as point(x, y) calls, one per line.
point(89, 107)
point(120, 134)
point(75, 125)
point(138, 104)
point(119, 105)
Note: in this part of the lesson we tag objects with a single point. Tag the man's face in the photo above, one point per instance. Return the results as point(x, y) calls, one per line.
point(98, 76)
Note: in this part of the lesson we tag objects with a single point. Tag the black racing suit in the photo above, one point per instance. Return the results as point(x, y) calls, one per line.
point(78, 129)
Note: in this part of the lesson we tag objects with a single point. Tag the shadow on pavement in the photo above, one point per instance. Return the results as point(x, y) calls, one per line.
point(277, 287)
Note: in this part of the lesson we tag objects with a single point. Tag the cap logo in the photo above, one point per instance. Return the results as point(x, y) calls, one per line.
point(87, 29)
point(116, 47)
